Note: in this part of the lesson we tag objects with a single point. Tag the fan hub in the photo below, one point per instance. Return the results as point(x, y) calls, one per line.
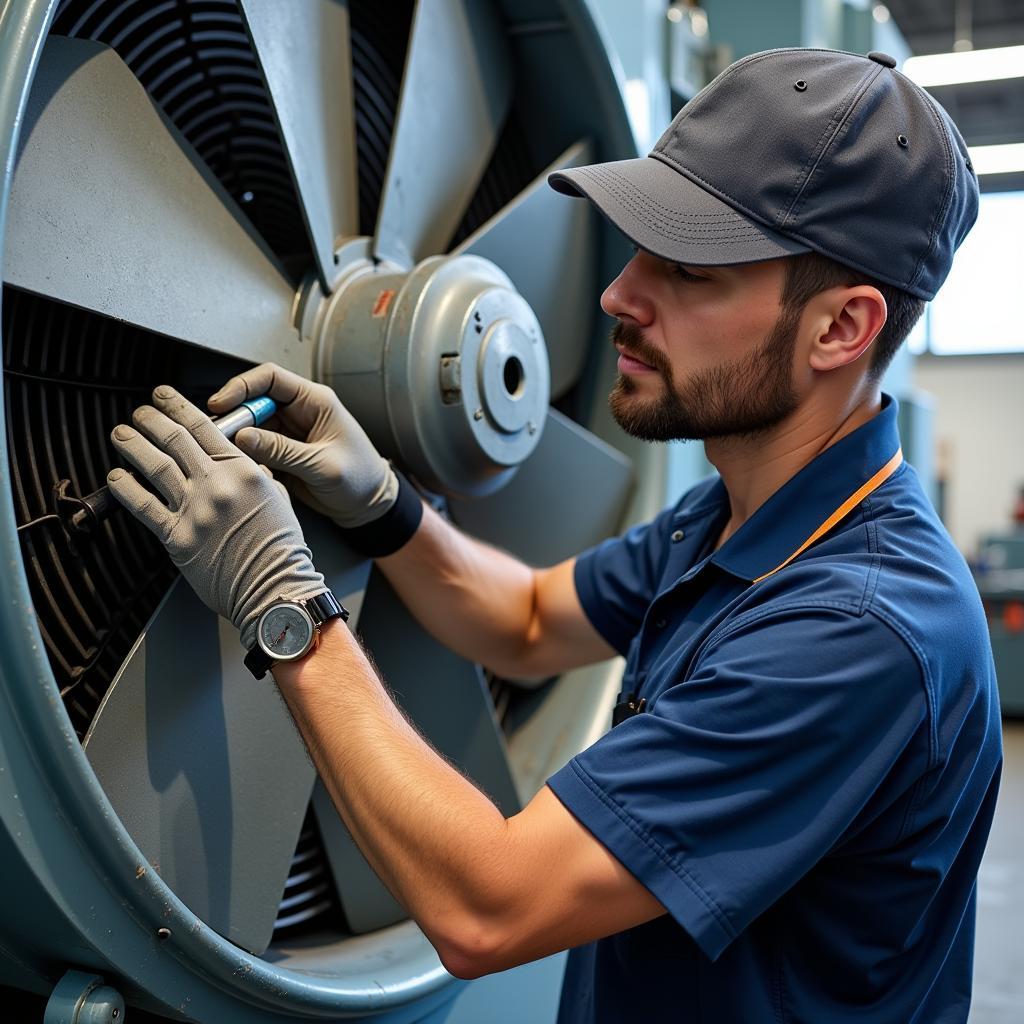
point(444, 365)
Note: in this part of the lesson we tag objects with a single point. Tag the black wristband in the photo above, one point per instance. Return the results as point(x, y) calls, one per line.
point(394, 529)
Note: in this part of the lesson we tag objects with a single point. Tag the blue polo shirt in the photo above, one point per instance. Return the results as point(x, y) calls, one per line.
point(809, 790)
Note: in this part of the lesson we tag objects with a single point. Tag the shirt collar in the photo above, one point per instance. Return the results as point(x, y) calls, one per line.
point(807, 499)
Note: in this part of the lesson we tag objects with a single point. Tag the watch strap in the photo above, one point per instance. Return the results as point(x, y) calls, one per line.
point(325, 606)
point(257, 661)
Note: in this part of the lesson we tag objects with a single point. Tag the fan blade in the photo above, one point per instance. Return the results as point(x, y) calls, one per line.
point(204, 768)
point(305, 56)
point(135, 227)
point(572, 714)
point(456, 92)
point(365, 900)
point(548, 247)
point(446, 697)
point(568, 495)
point(203, 765)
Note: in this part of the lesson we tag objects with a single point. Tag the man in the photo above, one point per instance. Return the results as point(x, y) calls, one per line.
point(788, 822)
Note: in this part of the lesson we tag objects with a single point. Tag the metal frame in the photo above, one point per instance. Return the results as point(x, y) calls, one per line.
point(77, 887)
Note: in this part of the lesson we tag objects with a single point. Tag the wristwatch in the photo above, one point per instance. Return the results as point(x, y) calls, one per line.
point(289, 630)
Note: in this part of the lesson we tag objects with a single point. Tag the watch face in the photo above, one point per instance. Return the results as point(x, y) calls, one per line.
point(285, 631)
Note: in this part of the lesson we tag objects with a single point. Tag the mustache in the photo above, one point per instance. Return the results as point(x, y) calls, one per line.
point(631, 338)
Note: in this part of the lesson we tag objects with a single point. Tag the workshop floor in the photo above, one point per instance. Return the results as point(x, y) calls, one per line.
point(999, 949)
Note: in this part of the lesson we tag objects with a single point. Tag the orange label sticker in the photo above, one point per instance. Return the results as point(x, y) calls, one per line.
point(380, 307)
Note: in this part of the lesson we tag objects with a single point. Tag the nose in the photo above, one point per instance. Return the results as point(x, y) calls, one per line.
point(627, 296)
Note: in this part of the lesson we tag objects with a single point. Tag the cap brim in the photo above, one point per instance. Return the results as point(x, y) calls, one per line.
point(667, 214)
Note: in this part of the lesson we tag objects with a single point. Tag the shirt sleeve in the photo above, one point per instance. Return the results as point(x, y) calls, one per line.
point(617, 580)
point(744, 775)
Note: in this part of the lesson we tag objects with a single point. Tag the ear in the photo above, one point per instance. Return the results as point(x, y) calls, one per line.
point(849, 320)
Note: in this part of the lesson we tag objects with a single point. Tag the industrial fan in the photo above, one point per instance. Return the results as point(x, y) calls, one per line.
point(356, 191)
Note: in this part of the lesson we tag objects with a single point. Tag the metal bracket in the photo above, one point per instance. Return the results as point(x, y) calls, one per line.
point(80, 998)
point(451, 378)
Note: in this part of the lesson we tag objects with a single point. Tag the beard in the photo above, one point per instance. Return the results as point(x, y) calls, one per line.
point(741, 399)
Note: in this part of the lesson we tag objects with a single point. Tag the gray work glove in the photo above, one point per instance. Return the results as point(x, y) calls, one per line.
point(227, 525)
point(334, 466)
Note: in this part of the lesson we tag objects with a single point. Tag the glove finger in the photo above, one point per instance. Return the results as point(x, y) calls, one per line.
point(280, 384)
point(141, 503)
point(155, 465)
point(273, 449)
point(172, 439)
point(277, 483)
point(198, 425)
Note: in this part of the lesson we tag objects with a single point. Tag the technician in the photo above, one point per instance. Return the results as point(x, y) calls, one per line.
point(787, 823)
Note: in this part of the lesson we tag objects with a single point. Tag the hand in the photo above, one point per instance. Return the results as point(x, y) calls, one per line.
point(227, 525)
point(335, 468)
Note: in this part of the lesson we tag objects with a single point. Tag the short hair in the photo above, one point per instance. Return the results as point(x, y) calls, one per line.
point(809, 273)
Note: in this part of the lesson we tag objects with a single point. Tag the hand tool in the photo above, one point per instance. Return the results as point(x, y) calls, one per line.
point(87, 513)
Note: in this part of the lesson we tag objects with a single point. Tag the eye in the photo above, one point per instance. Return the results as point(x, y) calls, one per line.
point(680, 271)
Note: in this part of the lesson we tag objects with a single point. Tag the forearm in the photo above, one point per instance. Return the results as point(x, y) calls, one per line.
point(433, 838)
point(475, 599)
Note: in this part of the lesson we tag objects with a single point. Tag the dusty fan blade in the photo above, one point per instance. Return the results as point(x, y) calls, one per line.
point(304, 53)
point(456, 92)
point(136, 227)
point(204, 768)
point(447, 698)
point(203, 764)
point(569, 495)
point(548, 247)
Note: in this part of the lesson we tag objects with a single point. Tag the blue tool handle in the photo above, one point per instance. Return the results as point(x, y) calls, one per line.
point(98, 505)
point(262, 409)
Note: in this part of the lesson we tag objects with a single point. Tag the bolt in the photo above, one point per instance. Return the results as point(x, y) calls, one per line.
point(479, 414)
point(531, 428)
point(163, 934)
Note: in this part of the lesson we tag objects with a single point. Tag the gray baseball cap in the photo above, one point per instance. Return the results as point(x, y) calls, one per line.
point(788, 151)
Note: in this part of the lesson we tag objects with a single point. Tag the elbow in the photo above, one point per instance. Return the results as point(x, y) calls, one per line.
point(467, 968)
point(471, 950)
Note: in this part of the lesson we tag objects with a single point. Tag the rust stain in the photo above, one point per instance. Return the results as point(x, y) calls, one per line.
point(380, 307)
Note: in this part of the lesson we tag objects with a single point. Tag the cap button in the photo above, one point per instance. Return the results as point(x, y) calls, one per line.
point(882, 58)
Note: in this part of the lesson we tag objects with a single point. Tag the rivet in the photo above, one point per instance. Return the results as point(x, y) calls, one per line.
point(800, 85)
point(531, 428)
point(163, 934)
point(903, 141)
point(479, 414)
point(677, 536)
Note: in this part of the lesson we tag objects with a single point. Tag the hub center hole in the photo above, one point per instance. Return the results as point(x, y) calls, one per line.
point(514, 377)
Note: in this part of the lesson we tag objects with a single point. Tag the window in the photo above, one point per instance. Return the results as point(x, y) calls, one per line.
point(977, 310)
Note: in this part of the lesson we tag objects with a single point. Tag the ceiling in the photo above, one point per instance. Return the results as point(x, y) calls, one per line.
point(986, 113)
point(928, 25)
